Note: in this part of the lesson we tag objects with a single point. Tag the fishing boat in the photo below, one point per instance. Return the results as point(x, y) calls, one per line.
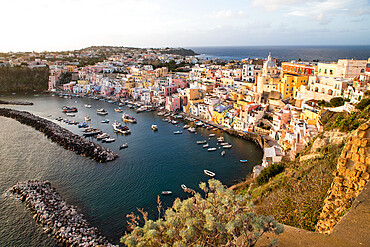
point(209, 173)
point(101, 111)
point(201, 142)
point(177, 132)
point(223, 153)
point(123, 146)
point(67, 109)
point(70, 114)
point(243, 161)
point(127, 118)
point(186, 126)
point(118, 127)
point(154, 127)
point(166, 192)
point(211, 135)
point(118, 110)
point(211, 149)
point(206, 145)
point(102, 136)
point(109, 140)
point(227, 146)
point(105, 121)
point(183, 186)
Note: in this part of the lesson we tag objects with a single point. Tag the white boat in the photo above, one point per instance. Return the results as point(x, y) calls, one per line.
point(210, 135)
point(87, 119)
point(118, 127)
point(243, 161)
point(183, 186)
point(206, 145)
point(154, 127)
point(118, 110)
point(101, 111)
point(209, 173)
point(201, 142)
point(166, 192)
point(211, 149)
point(227, 146)
point(186, 126)
point(70, 114)
point(224, 143)
point(88, 106)
point(108, 140)
point(220, 139)
point(102, 136)
point(223, 153)
point(105, 121)
point(123, 146)
point(199, 123)
point(192, 130)
point(177, 132)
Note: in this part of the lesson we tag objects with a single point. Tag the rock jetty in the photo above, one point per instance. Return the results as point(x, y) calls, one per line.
point(2, 102)
point(62, 136)
point(57, 218)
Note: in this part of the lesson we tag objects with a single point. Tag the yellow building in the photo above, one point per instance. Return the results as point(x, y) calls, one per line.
point(217, 117)
point(83, 82)
point(327, 69)
point(194, 93)
point(290, 85)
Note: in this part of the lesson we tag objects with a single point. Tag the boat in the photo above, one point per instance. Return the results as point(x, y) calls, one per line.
point(174, 122)
point(166, 192)
point(227, 146)
point(186, 126)
point(109, 140)
point(101, 111)
point(198, 123)
point(192, 130)
point(105, 121)
point(179, 117)
point(92, 132)
point(102, 136)
point(223, 153)
point(243, 161)
point(83, 125)
point(220, 139)
point(118, 127)
point(87, 119)
point(141, 109)
point(209, 173)
point(154, 127)
point(183, 186)
point(211, 149)
point(87, 106)
point(123, 146)
point(118, 110)
point(127, 118)
point(161, 113)
point(224, 143)
point(70, 114)
point(177, 132)
point(69, 109)
point(206, 145)
point(211, 135)
point(201, 142)
point(59, 119)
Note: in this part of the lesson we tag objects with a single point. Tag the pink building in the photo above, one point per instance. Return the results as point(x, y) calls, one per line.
point(107, 91)
point(173, 103)
point(180, 83)
point(169, 90)
point(69, 86)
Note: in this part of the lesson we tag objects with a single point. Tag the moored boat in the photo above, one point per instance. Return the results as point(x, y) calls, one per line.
point(123, 146)
point(192, 130)
point(227, 146)
point(101, 111)
point(88, 106)
point(67, 109)
point(109, 140)
point(186, 126)
point(209, 173)
point(127, 118)
point(87, 119)
point(183, 186)
point(211, 149)
point(211, 135)
point(154, 127)
point(118, 127)
point(177, 132)
point(118, 110)
point(243, 161)
point(70, 114)
point(206, 145)
point(102, 136)
point(201, 142)
point(223, 153)
point(220, 139)
point(105, 121)
point(166, 192)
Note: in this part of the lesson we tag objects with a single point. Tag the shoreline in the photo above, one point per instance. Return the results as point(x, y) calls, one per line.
point(62, 136)
point(3, 102)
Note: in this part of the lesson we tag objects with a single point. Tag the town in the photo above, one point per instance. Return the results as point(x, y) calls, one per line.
point(279, 100)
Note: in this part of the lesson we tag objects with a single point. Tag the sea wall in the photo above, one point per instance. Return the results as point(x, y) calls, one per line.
point(62, 136)
point(57, 218)
point(2, 102)
point(350, 178)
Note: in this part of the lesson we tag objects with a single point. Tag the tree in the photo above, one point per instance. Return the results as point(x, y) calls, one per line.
point(219, 219)
point(337, 101)
point(363, 104)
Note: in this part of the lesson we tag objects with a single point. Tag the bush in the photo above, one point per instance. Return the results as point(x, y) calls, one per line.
point(363, 104)
point(269, 172)
point(221, 218)
point(337, 101)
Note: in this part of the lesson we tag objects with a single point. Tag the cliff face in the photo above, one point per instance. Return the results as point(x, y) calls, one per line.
point(351, 176)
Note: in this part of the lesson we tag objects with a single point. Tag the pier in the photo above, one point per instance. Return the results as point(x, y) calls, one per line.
point(57, 218)
point(62, 136)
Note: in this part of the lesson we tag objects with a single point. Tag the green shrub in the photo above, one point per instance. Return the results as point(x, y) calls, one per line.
point(269, 172)
point(363, 104)
point(219, 219)
point(337, 101)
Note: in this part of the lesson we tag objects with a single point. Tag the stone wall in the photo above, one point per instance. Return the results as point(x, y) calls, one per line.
point(350, 178)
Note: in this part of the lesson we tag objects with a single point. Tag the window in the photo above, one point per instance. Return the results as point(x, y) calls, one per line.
point(326, 71)
point(331, 71)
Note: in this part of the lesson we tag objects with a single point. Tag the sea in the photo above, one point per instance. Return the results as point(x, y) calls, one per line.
point(106, 192)
point(285, 53)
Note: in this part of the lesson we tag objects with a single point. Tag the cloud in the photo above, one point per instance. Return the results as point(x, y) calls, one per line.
point(272, 5)
point(228, 14)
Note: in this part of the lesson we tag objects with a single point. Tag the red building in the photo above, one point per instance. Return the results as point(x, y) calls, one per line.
point(297, 68)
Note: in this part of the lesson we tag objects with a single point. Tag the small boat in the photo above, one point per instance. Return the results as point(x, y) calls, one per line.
point(59, 119)
point(92, 132)
point(118, 127)
point(161, 113)
point(211, 135)
point(127, 118)
point(211, 149)
point(201, 142)
point(154, 127)
point(179, 117)
point(166, 193)
point(87, 119)
point(243, 161)
point(215, 129)
point(224, 143)
point(186, 126)
point(101, 111)
point(177, 132)
point(174, 122)
point(70, 114)
point(83, 125)
point(209, 173)
point(123, 146)
point(220, 139)
point(105, 121)
point(118, 110)
point(227, 146)
point(102, 136)
point(183, 186)
point(109, 140)
point(88, 106)
point(223, 153)
point(199, 123)
point(67, 109)
point(206, 145)
point(192, 130)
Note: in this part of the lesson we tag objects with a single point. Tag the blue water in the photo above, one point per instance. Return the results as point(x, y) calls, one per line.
point(285, 53)
point(107, 192)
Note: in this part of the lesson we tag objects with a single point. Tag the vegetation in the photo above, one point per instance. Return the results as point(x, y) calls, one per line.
point(334, 102)
point(220, 219)
point(14, 79)
point(179, 51)
point(269, 172)
point(363, 104)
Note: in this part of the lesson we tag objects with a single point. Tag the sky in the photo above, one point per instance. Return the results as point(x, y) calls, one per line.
point(59, 25)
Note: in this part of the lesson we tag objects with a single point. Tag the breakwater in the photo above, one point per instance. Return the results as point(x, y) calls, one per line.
point(58, 219)
point(3, 102)
point(62, 136)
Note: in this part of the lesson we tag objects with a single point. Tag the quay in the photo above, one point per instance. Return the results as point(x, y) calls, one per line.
point(3, 102)
point(62, 136)
point(57, 218)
